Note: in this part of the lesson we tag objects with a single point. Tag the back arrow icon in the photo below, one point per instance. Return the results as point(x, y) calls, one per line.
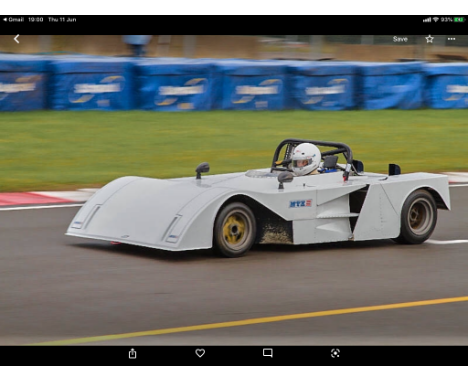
point(16, 39)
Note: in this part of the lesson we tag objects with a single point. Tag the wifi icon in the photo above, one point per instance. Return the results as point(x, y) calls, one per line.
point(435, 19)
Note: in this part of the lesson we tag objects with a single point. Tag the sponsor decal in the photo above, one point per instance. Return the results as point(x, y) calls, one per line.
point(16, 88)
point(324, 91)
point(316, 94)
point(84, 92)
point(457, 89)
point(168, 95)
point(456, 92)
point(21, 84)
point(95, 88)
point(300, 203)
point(256, 90)
point(247, 93)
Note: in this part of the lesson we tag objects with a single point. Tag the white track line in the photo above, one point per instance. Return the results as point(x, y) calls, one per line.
point(458, 185)
point(443, 242)
point(456, 173)
point(39, 207)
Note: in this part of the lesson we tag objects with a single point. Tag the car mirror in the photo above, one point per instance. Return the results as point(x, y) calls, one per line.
point(284, 177)
point(202, 167)
point(394, 169)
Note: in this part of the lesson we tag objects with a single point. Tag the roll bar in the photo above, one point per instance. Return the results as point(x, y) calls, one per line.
point(339, 148)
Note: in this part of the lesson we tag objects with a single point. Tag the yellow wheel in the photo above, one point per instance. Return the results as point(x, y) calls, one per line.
point(234, 230)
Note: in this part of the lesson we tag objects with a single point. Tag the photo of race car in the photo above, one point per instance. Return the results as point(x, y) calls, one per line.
point(220, 199)
point(232, 212)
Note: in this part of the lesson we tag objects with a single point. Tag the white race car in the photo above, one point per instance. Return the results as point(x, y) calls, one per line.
point(231, 212)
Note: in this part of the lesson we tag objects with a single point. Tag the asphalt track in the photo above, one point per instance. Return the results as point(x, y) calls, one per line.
point(59, 288)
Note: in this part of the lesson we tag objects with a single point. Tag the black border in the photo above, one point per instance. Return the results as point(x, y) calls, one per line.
point(233, 25)
point(233, 356)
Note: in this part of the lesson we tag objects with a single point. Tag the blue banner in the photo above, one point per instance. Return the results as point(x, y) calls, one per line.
point(83, 82)
point(322, 86)
point(23, 82)
point(447, 86)
point(385, 86)
point(253, 85)
point(91, 84)
point(175, 85)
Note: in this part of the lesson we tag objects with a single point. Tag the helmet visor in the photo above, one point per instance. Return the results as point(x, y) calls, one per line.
point(301, 163)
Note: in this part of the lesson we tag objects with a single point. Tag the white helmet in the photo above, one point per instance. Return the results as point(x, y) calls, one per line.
point(305, 159)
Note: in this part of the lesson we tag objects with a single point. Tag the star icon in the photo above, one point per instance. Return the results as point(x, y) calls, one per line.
point(429, 39)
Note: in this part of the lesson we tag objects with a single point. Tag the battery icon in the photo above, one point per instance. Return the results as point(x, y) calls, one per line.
point(460, 19)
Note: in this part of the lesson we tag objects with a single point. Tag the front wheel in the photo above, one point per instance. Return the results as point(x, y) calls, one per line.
point(418, 218)
point(234, 230)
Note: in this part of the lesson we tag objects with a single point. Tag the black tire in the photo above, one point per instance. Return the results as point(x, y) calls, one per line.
point(234, 230)
point(418, 218)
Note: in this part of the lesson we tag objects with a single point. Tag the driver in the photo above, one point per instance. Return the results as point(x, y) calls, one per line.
point(306, 159)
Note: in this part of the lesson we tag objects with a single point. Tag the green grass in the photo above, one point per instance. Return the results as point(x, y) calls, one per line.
point(50, 150)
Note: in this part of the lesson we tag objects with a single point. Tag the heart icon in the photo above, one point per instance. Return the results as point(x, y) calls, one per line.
point(200, 352)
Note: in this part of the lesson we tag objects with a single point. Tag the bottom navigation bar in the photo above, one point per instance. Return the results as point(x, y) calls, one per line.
point(231, 355)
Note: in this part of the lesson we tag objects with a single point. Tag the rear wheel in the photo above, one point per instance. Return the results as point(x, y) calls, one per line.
point(418, 218)
point(234, 230)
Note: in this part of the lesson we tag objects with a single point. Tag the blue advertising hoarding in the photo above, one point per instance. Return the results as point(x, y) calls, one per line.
point(252, 85)
point(391, 85)
point(23, 83)
point(447, 86)
point(174, 85)
point(322, 86)
point(86, 83)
